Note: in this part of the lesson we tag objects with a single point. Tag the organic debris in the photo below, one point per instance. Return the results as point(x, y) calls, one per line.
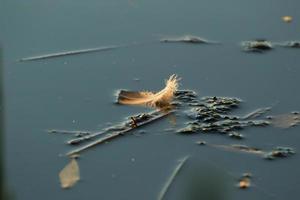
point(285, 120)
point(185, 96)
point(236, 135)
point(245, 181)
point(256, 113)
point(291, 44)
point(201, 142)
point(69, 175)
point(206, 115)
point(160, 99)
point(240, 148)
point(287, 19)
point(109, 136)
point(171, 179)
point(211, 114)
point(257, 46)
point(69, 53)
point(279, 152)
point(188, 39)
point(76, 133)
point(131, 123)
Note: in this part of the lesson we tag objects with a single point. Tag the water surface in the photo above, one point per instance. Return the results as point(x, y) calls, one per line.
point(77, 92)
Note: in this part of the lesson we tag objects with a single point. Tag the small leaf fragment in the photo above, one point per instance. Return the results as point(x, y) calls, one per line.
point(69, 175)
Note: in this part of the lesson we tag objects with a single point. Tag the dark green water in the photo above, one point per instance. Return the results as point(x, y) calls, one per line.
point(77, 92)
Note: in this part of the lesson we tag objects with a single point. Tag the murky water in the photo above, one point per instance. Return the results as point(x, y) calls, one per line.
point(77, 93)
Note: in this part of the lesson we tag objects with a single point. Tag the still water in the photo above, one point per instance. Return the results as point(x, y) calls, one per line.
point(77, 93)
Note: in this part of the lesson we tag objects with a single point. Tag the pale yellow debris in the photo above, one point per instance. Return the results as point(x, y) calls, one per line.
point(287, 19)
point(69, 175)
point(160, 99)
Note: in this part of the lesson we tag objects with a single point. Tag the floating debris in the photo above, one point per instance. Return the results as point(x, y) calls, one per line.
point(287, 19)
point(211, 114)
point(245, 181)
point(114, 135)
point(69, 175)
point(207, 115)
point(131, 123)
point(201, 142)
point(76, 133)
point(190, 129)
point(211, 109)
point(160, 99)
point(291, 44)
point(236, 135)
point(171, 179)
point(256, 113)
point(285, 120)
point(247, 174)
point(240, 148)
point(183, 95)
point(69, 53)
point(257, 46)
point(279, 152)
point(189, 39)
point(84, 138)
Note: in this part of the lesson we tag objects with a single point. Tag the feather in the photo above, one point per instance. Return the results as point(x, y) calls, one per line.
point(160, 99)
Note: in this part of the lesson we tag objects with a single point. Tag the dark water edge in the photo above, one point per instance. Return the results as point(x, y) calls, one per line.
point(77, 93)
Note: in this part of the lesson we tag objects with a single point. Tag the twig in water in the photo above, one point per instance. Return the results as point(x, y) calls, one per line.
point(171, 179)
point(84, 138)
point(68, 53)
point(111, 136)
point(80, 51)
point(133, 121)
point(69, 132)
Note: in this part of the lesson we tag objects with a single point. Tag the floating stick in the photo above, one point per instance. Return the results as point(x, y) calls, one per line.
point(80, 51)
point(68, 132)
point(111, 136)
point(171, 179)
point(93, 135)
point(68, 53)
